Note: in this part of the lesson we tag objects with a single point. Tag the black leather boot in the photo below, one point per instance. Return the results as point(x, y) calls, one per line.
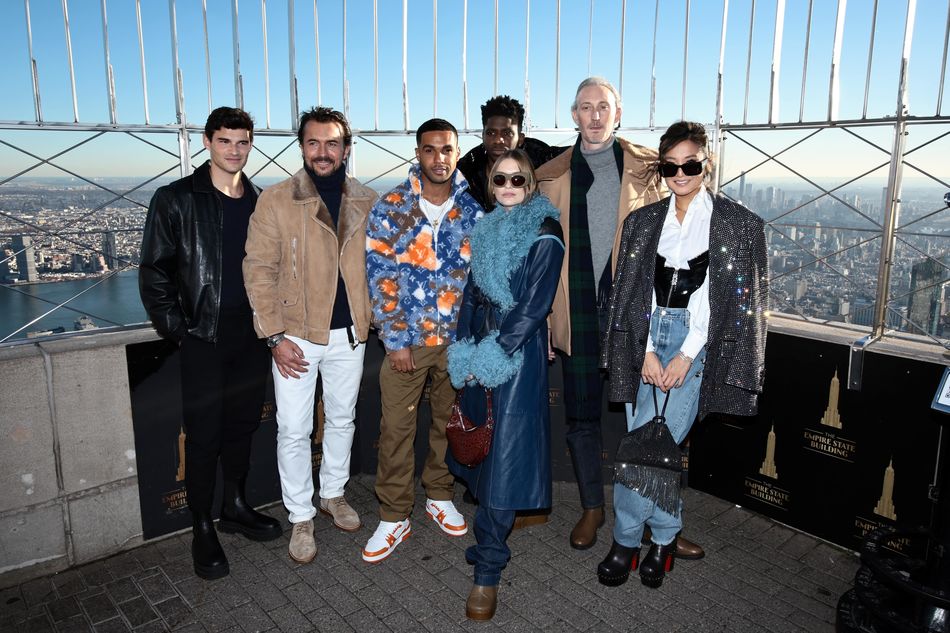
point(238, 516)
point(656, 563)
point(206, 553)
point(614, 570)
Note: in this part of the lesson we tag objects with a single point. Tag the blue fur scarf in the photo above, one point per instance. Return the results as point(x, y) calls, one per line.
point(500, 242)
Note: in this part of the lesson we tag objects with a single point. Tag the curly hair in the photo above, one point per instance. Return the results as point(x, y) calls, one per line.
point(324, 114)
point(505, 106)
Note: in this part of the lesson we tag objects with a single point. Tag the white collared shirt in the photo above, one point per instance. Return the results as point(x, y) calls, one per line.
point(680, 243)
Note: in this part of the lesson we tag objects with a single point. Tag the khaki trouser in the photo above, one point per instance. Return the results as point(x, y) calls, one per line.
point(397, 433)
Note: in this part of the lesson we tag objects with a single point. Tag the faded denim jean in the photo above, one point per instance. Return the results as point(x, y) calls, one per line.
point(668, 328)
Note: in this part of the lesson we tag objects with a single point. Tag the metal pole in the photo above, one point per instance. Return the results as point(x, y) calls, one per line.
point(527, 82)
point(686, 60)
point(266, 64)
point(590, 36)
point(943, 63)
point(375, 66)
point(204, 21)
point(37, 110)
point(801, 105)
point(557, 65)
point(867, 79)
point(405, 64)
point(776, 61)
point(176, 78)
point(138, 26)
point(69, 59)
point(110, 79)
point(835, 84)
point(894, 183)
point(719, 96)
point(465, 62)
point(316, 45)
point(748, 65)
point(656, 21)
point(435, 56)
point(623, 31)
point(236, 48)
point(495, 59)
point(346, 81)
point(292, 64)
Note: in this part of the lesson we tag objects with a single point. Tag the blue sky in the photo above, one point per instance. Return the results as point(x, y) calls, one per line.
point(576, 62)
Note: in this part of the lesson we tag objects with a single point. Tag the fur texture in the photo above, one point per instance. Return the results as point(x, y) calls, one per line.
point(485, 360)
point(500, 241)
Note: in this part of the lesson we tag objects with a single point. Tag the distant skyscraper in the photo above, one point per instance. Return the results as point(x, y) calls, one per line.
point(924, 304)
point(25, 261)
point(108, 250)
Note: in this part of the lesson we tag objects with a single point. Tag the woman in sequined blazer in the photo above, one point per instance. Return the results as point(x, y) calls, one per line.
point(717, 350)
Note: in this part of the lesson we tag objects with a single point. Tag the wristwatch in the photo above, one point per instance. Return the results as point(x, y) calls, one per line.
point(274, 341)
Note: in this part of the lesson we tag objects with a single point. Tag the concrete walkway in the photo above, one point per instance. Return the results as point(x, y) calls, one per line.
point(757, 576)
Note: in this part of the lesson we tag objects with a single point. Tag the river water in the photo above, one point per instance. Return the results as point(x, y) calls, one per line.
point(116, 299)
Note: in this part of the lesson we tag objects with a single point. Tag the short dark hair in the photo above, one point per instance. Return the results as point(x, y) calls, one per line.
point(685, 131)
point(505, 106)
point(435, 125)
point(231, 118)
point(324, 114)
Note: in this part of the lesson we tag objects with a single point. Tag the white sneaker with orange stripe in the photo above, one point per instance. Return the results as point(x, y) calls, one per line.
point(384, 540)
point(446, 517)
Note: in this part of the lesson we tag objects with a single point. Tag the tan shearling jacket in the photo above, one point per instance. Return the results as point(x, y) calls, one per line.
point(294, 252)
point(638, 187)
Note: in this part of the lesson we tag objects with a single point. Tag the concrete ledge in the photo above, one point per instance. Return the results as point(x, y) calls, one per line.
point(68, 485)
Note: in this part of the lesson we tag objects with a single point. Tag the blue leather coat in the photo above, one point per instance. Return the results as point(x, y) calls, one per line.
point(516, 474)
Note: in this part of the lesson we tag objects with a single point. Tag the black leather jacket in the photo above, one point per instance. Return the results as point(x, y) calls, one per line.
point(180, 268)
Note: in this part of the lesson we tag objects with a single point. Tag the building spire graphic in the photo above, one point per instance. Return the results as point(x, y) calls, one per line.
point(768, 465)
point(885, 505)
point(831, 416)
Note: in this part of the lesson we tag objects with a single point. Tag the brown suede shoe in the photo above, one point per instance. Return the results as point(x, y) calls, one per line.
point(481, 602)
point(584, 534)
point(530, 518)
point(685, 549)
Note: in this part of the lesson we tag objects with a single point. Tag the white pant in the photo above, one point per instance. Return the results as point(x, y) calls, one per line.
point(342, 369)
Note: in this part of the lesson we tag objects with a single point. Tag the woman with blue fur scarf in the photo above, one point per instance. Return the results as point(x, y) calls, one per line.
point(503, 345)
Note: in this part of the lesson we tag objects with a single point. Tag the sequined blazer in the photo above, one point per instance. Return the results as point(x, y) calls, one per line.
point(738, 302)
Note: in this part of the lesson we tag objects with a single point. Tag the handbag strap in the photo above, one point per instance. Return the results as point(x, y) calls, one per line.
point(656, 409)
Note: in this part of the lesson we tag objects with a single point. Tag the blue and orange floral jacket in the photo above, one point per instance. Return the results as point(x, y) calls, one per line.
point(416, 273)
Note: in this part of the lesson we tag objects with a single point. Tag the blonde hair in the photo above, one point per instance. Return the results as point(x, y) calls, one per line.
point(524, 165)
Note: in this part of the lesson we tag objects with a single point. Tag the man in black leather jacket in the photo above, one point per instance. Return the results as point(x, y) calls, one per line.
point(502, 129)
point(192, 287)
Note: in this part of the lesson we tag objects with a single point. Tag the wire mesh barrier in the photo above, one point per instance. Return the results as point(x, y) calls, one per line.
point(809, 104)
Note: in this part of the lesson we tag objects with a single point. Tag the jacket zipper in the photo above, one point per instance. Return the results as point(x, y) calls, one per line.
point(293, 256)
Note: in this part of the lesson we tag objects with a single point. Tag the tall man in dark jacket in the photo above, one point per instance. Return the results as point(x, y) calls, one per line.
point(192, 287)
point(502, 129)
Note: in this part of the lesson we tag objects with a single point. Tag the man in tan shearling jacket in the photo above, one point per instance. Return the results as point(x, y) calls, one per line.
point(305, 274)
point(602, 179)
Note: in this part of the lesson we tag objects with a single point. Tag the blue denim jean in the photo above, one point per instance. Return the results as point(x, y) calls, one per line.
point(668, 328)
point(490, 554)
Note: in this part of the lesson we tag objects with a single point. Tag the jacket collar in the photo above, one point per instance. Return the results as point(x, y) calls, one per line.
point(638, 161)
point(201, 180)
point(304, 192)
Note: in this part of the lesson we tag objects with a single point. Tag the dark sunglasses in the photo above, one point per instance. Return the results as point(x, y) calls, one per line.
point(519, 179)
point(690, 168)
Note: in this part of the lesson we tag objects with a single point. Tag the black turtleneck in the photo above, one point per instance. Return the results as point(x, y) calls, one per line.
point(330, 189)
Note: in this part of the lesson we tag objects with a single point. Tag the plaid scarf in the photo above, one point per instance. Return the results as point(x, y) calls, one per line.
point(583, 383)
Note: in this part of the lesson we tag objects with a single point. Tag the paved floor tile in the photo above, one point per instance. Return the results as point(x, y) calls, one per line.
point(757, 576)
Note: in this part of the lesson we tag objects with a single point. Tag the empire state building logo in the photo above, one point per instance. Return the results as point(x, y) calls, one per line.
point(768, 464)
point(885, 505)
point(832, 417)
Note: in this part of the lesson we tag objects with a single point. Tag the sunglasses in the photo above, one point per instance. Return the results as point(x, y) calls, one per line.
point(519, 179)
point(690, 168)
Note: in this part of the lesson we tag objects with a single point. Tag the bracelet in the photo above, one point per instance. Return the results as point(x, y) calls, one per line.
point(689, 361)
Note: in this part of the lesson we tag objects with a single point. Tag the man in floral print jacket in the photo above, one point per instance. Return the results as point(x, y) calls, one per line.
point(417, 258)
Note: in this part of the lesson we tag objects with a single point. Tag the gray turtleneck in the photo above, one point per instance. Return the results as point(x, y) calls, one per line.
point(602, 200)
